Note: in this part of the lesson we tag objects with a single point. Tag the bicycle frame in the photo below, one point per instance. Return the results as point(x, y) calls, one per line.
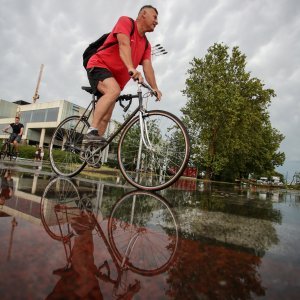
point(140, 109)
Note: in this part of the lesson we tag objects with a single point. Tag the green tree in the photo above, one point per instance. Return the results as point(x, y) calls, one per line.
point(227, 115)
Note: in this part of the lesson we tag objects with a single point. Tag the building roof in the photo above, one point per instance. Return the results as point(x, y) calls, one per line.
point(21, 102)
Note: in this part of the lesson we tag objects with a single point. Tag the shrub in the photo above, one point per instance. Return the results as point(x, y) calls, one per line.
point(26, 151)
point(112, 163)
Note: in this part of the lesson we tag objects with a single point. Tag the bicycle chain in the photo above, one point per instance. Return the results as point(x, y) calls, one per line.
point(92, 157)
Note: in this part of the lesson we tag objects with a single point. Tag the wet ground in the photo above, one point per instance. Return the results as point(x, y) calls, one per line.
point(87, 239)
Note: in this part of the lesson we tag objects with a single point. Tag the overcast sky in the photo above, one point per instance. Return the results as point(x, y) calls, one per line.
point(56, 32)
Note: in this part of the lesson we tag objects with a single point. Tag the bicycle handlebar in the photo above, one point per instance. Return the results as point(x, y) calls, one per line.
point(145, 85)
point(6, 131)
point(129, 97)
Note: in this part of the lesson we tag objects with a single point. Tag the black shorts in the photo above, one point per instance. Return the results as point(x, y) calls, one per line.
point(95, 75)
point(15, 137)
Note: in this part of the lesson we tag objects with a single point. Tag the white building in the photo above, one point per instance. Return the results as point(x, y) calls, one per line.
point(39, 119)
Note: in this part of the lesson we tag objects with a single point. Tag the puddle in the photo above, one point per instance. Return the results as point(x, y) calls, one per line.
point(67, 239)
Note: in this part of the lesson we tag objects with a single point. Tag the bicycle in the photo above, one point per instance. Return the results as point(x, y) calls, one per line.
point(153, 147)
point(142, 229)
point(8, 150)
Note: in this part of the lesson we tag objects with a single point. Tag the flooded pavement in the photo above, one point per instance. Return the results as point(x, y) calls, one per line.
point(87, 239)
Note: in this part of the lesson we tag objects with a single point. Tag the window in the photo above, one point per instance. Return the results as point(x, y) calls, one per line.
point(38, 115)
point(26, 117)
point(52, 114)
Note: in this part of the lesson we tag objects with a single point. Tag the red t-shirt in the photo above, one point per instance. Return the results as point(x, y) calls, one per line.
point(109, 58)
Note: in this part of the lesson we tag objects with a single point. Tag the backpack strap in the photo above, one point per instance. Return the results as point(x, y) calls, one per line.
point(116, 42)
point(132, 29)
point(131, 34)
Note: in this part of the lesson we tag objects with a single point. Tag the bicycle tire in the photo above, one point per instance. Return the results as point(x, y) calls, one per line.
point(66, 146)
point(4, 151)
point(162, 165)
point(149, 218)
point(62, 193)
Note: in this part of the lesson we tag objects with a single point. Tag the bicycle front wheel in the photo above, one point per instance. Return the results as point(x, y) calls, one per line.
point(13, 154)
point(66, 147)
point(4, 150)
point(158, 160)
point(143, 233)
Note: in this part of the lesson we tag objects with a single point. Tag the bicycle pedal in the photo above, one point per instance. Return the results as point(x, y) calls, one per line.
point(95, 166)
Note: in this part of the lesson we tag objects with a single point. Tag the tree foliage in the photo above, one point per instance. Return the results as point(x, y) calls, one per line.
point(227, 115)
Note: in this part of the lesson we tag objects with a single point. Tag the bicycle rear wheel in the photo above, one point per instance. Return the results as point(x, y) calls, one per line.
point(143, 233)
point(58, 206)
point(161, 164)
point(66, 147)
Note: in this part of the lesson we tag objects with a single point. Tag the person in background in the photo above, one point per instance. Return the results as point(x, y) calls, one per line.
point(42, 153)
point(38, 154)
point(16, 134)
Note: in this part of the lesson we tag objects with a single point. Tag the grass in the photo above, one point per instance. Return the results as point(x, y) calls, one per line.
point(103, 172)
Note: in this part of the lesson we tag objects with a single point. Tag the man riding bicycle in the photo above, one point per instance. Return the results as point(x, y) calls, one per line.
point(17, 131)
point(108, 70)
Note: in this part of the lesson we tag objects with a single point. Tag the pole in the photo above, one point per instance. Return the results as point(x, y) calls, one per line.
point(36, 94)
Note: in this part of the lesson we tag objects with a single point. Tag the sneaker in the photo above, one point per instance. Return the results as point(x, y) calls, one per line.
point(96, 166)
point(93, 137)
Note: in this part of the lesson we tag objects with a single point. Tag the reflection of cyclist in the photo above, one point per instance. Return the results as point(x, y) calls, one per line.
point(80, 280)
point(17, 131)
point(6, 187)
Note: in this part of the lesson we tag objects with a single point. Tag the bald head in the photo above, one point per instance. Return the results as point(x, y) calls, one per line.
point(145, 7)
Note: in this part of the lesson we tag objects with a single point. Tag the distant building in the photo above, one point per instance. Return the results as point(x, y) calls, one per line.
point(39, 119)
point(296, 178)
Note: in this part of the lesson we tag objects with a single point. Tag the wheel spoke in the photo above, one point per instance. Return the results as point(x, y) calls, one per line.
point(66, 147)
point(161, 164)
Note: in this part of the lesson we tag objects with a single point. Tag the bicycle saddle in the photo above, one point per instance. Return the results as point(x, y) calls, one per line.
point(87, 89)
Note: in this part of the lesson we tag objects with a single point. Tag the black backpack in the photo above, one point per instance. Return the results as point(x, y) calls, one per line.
point(93, 47)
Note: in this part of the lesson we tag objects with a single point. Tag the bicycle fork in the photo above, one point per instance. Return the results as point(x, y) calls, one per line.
point(144, 130)
point(144, 139)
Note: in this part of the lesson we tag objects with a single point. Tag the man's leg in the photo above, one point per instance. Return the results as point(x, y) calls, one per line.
point(110, 90)
point(105, 106)
point(15, 145)
point(12, 142)
point(16, 142)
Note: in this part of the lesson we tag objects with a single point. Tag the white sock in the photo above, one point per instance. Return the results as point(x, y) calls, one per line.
point(91, 129)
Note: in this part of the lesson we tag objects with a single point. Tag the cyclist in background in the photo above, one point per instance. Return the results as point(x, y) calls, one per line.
point(17, 131)
point(108, 70)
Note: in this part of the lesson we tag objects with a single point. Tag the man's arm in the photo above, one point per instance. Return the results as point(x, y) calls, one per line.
point(150, 76)
point(125, 54)
point(21, 130)
point(6, 128)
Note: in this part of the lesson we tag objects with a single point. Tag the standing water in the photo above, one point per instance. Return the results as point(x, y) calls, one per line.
point(87, 239)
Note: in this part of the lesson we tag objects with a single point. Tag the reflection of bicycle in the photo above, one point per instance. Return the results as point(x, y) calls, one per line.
point(142, 229)
point(153, 148)
point(8, 150)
